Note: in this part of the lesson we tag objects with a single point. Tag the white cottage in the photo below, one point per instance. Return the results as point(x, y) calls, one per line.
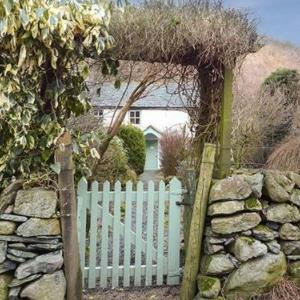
point(157, 111)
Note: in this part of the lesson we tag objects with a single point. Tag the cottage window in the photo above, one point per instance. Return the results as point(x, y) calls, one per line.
point(98, 112)
point(135, 117)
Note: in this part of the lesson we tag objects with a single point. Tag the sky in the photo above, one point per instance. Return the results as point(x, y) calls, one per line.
point(279, 19)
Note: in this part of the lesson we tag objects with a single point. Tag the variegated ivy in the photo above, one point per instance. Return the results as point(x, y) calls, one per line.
point(43, 50)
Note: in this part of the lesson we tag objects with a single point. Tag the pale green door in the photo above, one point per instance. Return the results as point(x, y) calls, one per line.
point(151, 155)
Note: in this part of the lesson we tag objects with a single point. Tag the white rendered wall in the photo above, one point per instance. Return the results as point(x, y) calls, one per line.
point(160, 119)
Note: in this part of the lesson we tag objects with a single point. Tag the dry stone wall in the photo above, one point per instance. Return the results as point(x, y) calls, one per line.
point(31, 257)
point(252, 235)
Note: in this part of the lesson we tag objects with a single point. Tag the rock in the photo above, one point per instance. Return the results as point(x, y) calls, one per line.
point(253, 204)
point(36, 227)
point(8, 195)
point(17, 282)
point(238, 223)
point(246, 233)
point(48, 247)
point(3, 250)
point(15, 258)
point(264, 233)
point(289, 232)
point(6, 266)
point(265, 204)
point(46, 263)
point(5, 279)
point(256, 183)
point(295, 197)
point(209, 232)
point(7, 227)
point(215, 240)
point(19, 239)
point(256, 275)
point(291, 247)
point(48, 287)
point(212, 248)
point(209, 287)
point(273, 225)
point(294, 178)
point(18, 246)
point(273, 246)
point(217, 264)
point(294, 269)
point(283, 213)
point(14, 293)
point(293, 257)
point(231, 188)
point(278, 186)
point(245, 248)
point(225, 208)
point(36, 202)
point(20, 253)
point(13, 218)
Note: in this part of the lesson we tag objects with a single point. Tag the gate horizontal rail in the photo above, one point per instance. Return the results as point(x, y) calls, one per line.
point(140, 247)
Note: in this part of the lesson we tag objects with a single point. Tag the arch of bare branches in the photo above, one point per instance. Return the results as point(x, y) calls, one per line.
point(194, 42)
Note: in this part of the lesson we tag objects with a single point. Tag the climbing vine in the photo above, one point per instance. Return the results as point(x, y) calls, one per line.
point(44, 48)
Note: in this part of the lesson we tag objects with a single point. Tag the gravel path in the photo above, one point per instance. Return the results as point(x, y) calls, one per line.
point(159, 293)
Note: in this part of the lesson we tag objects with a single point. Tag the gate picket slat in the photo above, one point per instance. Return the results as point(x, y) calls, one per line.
point(116, 235)
point(93, 235)
point(160, 236)
point(138, 234)
point(149, 254)
point(127, 235)
point(83, 197)
point(174, 233)
point(104, 235)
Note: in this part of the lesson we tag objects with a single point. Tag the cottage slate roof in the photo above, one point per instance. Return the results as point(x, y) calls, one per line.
point(161, 97)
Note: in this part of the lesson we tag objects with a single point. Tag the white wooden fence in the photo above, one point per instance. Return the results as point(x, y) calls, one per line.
point(129, 237)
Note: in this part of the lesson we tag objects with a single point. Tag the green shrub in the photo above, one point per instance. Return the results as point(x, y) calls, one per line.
point(282, 78)
point(114, 165)
point(135, 146)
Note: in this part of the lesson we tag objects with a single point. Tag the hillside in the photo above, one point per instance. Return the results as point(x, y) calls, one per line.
point(255, 67)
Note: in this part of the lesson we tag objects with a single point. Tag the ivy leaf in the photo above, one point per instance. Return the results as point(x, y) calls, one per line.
point(95, 153)
point(24, 17)
point(56, 167)
point(22, 55)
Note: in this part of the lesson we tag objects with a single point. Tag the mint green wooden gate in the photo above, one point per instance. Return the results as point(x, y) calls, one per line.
point(131, 236)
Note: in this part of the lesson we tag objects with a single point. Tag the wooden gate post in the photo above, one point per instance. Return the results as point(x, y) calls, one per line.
point(224, 161)
point(68, 209)
point(192, 261)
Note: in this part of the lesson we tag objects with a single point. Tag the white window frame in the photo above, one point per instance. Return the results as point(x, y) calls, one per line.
point(98, 112)
point(135, 117)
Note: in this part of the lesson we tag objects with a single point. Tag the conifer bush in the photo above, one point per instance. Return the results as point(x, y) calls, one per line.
point(135, 146)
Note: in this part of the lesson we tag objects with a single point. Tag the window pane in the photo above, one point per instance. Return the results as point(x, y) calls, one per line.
point(137, 114)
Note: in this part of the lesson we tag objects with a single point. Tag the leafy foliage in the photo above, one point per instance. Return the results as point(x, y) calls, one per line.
point(282, 78)
point(113, 165)
point(285, 80)
point(44, 46)
point(135, 146)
